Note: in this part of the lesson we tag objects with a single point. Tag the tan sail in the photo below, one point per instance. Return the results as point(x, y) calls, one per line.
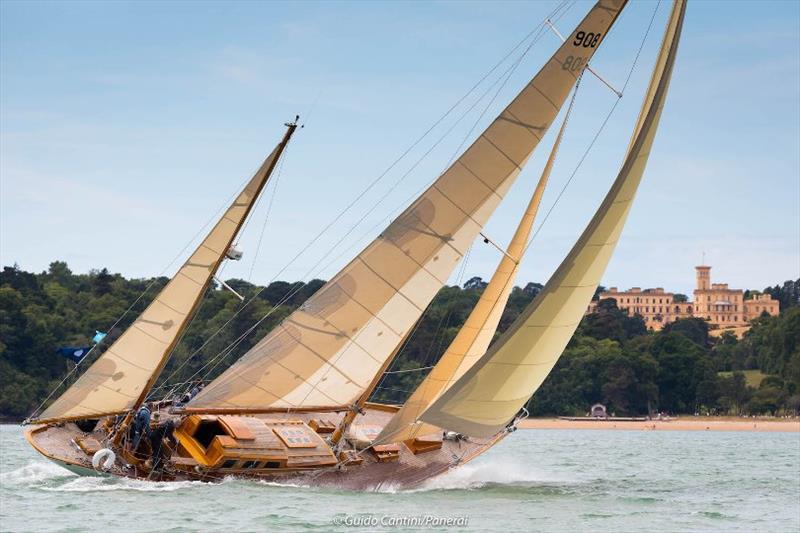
point(489, 395)
point(476, 334)
point(125, 372)
point(327, 352)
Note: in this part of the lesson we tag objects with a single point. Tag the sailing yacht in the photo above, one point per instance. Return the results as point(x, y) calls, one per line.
point(296, 405)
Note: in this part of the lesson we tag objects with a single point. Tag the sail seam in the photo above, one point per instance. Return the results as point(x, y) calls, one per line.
point(528, 127)
point(545, 96)
point(185, 275)
point(422, 266)
point(207, 247)
point(118, 356)
point(327, 361)
point(162, 302)
point(487, 139)
point(467, 216)
point(398, 290)
point(494, 191)
point(137, 326)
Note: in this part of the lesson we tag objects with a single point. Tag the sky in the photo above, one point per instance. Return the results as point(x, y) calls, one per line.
point(125, 127)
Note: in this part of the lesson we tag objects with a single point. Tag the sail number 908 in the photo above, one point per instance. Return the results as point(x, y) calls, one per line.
point(586, 39)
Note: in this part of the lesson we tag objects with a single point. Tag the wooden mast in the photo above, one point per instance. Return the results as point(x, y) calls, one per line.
point(358, 406)
point(291, 126)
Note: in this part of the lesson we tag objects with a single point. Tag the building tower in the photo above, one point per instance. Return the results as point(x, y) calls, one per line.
point(703, 277)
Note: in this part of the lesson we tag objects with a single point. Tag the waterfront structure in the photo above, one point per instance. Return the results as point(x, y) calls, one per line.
point(720, 305)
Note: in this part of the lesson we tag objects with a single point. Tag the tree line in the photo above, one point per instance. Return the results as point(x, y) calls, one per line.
point(611, 359)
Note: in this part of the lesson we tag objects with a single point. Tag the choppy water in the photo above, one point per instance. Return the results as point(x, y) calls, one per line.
point(533, 481)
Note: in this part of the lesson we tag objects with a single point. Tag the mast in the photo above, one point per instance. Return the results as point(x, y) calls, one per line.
point(474, 337)
point(328, 351)
point(487, 397)
point(362, 400)
point(290, 128)
point(121, 378)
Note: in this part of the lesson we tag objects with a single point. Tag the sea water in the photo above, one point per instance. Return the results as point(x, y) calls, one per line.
point(535, 480)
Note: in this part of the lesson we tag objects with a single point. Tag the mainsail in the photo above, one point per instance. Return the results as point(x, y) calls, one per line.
point(326, 353)
point(490, 393)
point(474, 337)
point(123, 375)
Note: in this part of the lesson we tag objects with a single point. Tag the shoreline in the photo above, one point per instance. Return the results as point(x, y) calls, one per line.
point(782, 425)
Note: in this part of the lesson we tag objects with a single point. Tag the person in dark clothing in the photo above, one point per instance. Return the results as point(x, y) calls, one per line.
point(191, 394)
point(141, 426)
point(161, 432)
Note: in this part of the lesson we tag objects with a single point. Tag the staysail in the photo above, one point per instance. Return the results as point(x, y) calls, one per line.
point(327, 352)
point(476, 334)
point(489, 395)
point(123, 375)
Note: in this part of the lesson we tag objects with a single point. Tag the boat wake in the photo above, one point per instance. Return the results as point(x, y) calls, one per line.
point(493, 473)
point(35, 472)
point(50, 477)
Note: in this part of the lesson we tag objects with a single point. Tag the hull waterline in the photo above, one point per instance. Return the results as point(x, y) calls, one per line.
point(60, 444)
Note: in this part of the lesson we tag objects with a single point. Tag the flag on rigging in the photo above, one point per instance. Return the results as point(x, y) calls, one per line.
point(74, 353)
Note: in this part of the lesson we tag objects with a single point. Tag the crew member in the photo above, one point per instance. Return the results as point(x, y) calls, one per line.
point(141, 426)
point(162, 431)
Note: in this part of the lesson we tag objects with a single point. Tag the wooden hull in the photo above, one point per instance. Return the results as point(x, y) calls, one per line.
point(60, 445)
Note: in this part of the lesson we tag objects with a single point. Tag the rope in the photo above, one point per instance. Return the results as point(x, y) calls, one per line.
point(269, 211)
point(408, 370)
point(588, 149)
point(291, 293)
point(149, 286)
point(504, 77)
point(596, 136)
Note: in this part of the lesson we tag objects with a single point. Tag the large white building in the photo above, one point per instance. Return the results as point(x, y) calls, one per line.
point(723, 307)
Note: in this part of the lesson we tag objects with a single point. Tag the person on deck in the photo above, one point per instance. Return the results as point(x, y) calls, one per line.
point(192, 393)
point(162, 431)
point(141, 426)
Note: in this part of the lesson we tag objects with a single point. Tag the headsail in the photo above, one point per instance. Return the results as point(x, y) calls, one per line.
point(327, 352)
point(125, 372)
point(474, 337)
point(488, 396)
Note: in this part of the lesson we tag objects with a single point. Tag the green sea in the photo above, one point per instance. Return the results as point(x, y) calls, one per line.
point(535, 480)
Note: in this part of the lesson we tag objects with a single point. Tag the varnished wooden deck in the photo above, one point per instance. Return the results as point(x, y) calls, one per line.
point(58, 444)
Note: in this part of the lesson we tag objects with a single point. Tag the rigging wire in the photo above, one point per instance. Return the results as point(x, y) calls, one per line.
point(149, 286)
point(504, 77)
point(558, 12)
point(580, 162)
point(567, 114)
point(600, 130)
point(445, 318)
point(269, 211)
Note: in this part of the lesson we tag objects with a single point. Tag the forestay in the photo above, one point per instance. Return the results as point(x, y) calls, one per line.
point(489, 395)
point(476, 334)
point(326, 352)
point(125, 371)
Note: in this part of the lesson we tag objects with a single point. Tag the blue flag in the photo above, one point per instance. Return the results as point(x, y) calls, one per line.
point(74, 353)
point(98, 336)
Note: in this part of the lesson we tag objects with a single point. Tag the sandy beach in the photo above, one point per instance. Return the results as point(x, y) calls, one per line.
point(674, 424)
